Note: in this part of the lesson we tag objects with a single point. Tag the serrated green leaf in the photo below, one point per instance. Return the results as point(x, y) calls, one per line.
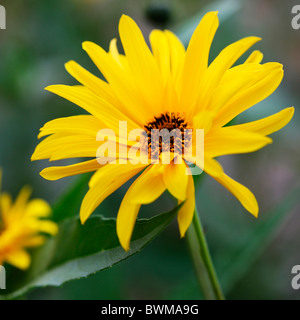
point(79, 251)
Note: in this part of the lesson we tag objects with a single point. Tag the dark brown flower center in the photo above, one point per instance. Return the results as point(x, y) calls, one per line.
point(167, 132)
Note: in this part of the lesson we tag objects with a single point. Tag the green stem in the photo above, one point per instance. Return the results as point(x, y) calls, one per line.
point(203, 264)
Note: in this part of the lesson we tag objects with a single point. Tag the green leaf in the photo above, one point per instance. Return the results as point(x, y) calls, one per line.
point(79, 251)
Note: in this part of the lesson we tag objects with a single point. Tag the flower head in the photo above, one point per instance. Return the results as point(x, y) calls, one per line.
point(164, 88)
point(21, 227)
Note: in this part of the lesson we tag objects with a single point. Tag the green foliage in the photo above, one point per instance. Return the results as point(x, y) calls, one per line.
point(79, 251)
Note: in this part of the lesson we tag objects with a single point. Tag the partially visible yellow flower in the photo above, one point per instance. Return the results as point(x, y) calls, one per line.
point(21, 227)
point(166, 88)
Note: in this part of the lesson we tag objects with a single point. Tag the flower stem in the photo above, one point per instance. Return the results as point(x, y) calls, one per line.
point(203, 264)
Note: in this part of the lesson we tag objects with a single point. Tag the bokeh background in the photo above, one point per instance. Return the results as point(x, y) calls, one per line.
point(42, 35)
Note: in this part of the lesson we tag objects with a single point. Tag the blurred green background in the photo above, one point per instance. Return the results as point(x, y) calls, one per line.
point(42, 35)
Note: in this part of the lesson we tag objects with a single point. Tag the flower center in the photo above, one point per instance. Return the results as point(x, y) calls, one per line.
point(167, 132)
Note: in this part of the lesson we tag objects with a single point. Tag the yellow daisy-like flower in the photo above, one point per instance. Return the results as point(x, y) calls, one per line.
point(21, 227)
point(168, 88)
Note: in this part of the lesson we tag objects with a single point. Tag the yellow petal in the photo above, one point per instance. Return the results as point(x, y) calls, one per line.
point(171, 102)
point(255, 57)
point(270, 79)
point(145, 189)
point(148, 186)
point(243, 194)
point(106, 113)
point(95, 84)
point(161, 52)
point(228, 56)
point(63, 146)
point(37, 208)
point(60, 146)
point(141, 62)
point(83, 124)
point(213, 167)
point(113, 50)
point(248, 70)
point(218, 67)
point(21, 200)
point(227, 90)
point(196, 58)
point(109, 178)
point(186, 212)
point(176, 180)
point(209, 165)
point(47, 226)
point(55, 173)
point(177, 54)
point(121, 82)
point(34, 241)
point(126, 221)
point(203, 120)
point(20, 259)
point(169, 54)
point(5, 204)
point(230, 141)
point(77, 129)
point(269, 124)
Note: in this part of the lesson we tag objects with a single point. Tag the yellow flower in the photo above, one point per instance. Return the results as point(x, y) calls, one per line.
point(170, 88)
point(21, 227)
